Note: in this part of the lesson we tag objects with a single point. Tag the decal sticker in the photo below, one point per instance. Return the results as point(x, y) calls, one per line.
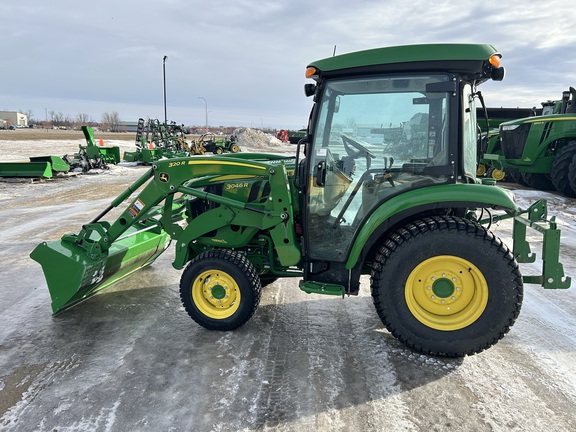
point(136, 208)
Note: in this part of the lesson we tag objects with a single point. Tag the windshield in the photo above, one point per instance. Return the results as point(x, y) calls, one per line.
point(374, 138)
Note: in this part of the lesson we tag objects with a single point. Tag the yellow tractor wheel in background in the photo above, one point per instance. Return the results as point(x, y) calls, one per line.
point(481, 170)
point(497, 174)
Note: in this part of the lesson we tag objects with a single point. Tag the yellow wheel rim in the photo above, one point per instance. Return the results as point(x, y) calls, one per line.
point(481, 170)
point(218, 151)
point(216, 294)
point(235, 148)
point(446, 293)
point(498, 175)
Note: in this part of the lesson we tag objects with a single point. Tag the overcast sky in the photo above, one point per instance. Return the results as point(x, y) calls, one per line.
point(247, 58)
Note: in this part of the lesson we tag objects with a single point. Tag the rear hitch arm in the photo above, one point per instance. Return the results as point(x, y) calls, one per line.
point(552, 271)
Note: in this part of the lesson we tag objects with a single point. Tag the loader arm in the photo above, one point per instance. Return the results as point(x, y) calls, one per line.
point(105, 252)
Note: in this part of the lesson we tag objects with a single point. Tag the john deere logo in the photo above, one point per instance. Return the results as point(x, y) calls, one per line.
point(164, 177)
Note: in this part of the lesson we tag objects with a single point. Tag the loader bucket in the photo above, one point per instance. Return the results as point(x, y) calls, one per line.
point(26, 169)
point(72, 276)
point(56, 162)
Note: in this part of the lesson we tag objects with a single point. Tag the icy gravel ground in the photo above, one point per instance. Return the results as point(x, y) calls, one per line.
point(130, 359)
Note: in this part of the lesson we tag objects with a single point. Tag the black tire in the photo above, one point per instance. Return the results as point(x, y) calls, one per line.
point(516, 176)
point(220, 289)
point(560, 170)
point(538, 181)
point(572, 174)
point(473, 301)
point(219, 151)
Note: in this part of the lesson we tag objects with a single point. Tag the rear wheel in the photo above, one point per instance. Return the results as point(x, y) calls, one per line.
point(234, 148)
point(219, 150)
point(516, 176)
point(560, 170)
point(572, 173)
point(538, 181)
point(220, 289)
point(446, 286)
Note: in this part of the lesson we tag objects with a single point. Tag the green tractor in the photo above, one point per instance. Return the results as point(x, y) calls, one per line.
point(407, 211)
point(489, 121)
point(539, 151)
point(218, 146)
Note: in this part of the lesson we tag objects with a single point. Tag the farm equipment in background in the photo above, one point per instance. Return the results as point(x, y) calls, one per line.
point(294, 137)
point(282, 135)
point(38, 167)
point(92, 156)
point(214, 145)
point(291, 136)
point(88, 157)
point(539, 151)
point(489, 121)
point(415, 219)
point(155, 140)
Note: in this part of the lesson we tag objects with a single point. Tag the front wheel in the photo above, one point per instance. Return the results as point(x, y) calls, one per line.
point(220, 289)
point(446, 286)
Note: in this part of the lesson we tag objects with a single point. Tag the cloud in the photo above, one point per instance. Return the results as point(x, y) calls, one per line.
point(247, 59)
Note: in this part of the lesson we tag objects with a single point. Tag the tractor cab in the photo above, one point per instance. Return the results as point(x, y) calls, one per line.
point(374, 137)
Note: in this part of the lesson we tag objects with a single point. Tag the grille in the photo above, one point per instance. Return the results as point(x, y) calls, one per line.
point(513, 141)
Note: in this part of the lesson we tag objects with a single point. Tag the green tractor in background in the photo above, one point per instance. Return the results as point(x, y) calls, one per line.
point(390, 192)
point(489, 121)
point(539, 151)
point(218, 146)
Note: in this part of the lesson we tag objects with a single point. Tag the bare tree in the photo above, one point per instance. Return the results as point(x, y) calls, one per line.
point(57, 119)
point(111, 121)
point(82, 119)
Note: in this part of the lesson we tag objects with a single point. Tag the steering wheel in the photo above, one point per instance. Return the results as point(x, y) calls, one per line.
point(360, 149)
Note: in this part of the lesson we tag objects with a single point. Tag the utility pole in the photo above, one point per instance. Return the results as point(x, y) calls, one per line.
point(164, 76)
point(206, 110)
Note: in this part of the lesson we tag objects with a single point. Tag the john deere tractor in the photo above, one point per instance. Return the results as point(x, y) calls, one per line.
point(539, 151)
point(405, 209)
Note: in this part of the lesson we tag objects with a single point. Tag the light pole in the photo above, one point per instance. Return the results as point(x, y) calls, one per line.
point(206, 110)
point(164, 76)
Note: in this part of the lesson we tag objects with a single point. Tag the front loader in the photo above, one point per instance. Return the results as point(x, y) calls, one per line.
point(383, 184)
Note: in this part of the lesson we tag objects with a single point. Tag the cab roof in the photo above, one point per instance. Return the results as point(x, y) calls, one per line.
point(468, 58)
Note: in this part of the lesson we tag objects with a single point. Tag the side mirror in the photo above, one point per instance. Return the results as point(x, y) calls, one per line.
point(309, 89)
point(498, 74)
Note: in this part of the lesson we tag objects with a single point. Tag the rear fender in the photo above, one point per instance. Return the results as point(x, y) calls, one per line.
point(412, 202)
